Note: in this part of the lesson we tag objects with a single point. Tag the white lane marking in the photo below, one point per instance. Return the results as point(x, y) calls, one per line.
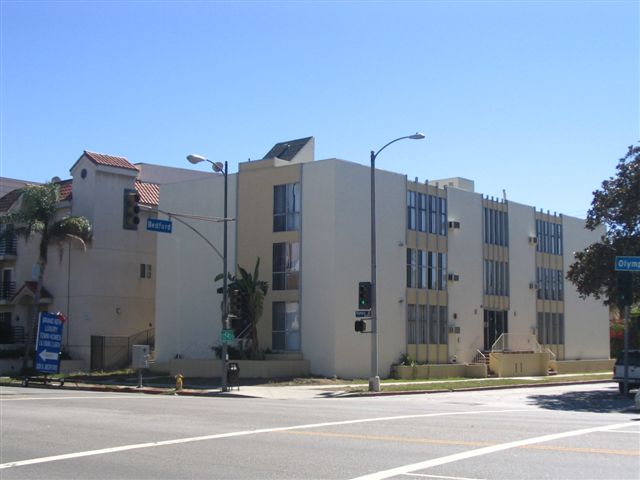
point(483, 451)
point(424, 475)
point(177, 441)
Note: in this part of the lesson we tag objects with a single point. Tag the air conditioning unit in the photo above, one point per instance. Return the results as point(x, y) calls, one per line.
point(453, 329)
point(533, 240)
point(533, 286)
point(453, 277)
point(454, 225)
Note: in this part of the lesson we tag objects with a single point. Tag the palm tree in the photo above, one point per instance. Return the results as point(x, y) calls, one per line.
point(251, 293)
point(36, 215)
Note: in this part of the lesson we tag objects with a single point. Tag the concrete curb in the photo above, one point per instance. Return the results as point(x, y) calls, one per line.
point(237, 394)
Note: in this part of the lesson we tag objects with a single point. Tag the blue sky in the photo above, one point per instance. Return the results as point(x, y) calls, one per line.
point(538, 98)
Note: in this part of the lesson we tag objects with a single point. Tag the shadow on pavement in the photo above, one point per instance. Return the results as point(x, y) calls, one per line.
point(600, 401)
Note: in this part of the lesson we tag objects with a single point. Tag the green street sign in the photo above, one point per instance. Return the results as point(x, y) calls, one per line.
point(226, 336)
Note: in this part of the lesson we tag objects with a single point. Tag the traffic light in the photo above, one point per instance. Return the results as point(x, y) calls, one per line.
point(130, 218)
point(361, 326)
point(625, 289)
point(235, 302)
point(364, 295)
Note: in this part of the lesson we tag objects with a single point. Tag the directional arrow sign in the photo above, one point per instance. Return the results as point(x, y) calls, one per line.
point(47, 355)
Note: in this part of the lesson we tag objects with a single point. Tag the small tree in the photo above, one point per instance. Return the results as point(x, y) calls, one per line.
point(252, 292)
point(617, 206)
point(36, 215)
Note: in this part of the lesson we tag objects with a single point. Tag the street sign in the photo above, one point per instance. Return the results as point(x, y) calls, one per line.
point(363, 313)
point(157, 225)
point(227, 336)
point(49, 342)
point(627, 264)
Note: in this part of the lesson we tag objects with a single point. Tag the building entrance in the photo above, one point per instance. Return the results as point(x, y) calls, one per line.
point(495, 324)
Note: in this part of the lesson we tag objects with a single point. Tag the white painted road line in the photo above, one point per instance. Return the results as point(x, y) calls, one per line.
point(123, 448)
point(484, 451)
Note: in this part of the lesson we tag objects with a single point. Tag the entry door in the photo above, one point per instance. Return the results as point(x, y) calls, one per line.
point(495, 324)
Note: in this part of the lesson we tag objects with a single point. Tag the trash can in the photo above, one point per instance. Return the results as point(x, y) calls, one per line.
point(233, 375)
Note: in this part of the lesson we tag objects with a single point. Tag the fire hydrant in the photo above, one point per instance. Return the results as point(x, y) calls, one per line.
point(179, 382)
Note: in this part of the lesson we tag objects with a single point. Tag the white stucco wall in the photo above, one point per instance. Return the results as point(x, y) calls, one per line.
point(336, 256)
point(465, 259)
point(188, 320)
point(522, 269)
point(586, 320)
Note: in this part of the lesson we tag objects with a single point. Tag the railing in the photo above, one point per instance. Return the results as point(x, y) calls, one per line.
point(8, 246)
point(479, 357)
point(7, 290)
point(511, 342)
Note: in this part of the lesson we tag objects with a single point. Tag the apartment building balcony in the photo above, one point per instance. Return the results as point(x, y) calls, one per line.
point(7, 292)
point(8, 248)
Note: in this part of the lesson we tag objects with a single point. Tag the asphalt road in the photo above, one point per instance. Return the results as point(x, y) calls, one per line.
point(567, 432)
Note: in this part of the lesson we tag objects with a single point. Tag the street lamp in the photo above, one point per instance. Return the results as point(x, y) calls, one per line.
point(374, 380)
point(218, 167)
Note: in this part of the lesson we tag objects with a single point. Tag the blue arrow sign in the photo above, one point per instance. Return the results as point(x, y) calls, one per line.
point(627, 264)
point(49, 343)
point(156, 225)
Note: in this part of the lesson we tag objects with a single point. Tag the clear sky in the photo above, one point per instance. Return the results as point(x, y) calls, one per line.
point(537, 98)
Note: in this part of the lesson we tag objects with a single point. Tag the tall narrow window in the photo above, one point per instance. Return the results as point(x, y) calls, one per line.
point(411, 324)
point(411, 210)
point(286, 265)
point(442, 211)
point(433, 214)
point(285, 331)
point(286, 207)
point(422, 269)
point(432, 270)
point(411, 268)
point(442, 271)
point(422, 212)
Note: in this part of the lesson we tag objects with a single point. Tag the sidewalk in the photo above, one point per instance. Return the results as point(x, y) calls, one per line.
point(199, 387)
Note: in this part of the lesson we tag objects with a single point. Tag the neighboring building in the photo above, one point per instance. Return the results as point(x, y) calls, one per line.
point(108, 291)
point(456, 269)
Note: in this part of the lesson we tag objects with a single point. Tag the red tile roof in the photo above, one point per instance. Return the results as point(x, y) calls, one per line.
point(64, 190)
point(110, 160)
point(149, 192)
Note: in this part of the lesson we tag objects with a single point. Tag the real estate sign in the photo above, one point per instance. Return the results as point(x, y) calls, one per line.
point(49, 342)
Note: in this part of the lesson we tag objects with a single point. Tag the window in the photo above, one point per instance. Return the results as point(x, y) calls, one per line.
point(286, 265)
point(549, 237)
point(8, 239)
point(285, 330)
point(423, 330)
point(496, 278)
point(442, 209)
point(432, 268)
point(496, 227)
point(145, 270)
point(422, 212)
point(286, 207)
point(550, 284)
point(411, 210)
point(422, 269)
point(411, 268)
point(442, 271)
point(412, 336)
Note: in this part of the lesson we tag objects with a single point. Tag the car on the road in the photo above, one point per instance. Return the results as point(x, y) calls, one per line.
point(634, 370)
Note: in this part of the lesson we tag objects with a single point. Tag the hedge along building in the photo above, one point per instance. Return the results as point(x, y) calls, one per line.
point(456, 270)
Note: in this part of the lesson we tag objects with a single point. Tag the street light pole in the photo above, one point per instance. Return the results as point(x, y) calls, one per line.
point(220, 168)
point(374, 380)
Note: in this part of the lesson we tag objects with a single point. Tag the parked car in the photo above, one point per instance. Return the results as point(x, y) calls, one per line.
point(634, 370)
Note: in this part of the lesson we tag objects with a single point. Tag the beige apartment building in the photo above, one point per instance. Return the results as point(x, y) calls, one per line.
point(107, 292)
point(459, 273)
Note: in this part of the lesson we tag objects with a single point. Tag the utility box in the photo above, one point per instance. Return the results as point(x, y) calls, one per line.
point(140, 356)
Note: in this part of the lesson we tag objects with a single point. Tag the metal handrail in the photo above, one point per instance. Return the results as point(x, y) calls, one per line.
point(479, 357)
